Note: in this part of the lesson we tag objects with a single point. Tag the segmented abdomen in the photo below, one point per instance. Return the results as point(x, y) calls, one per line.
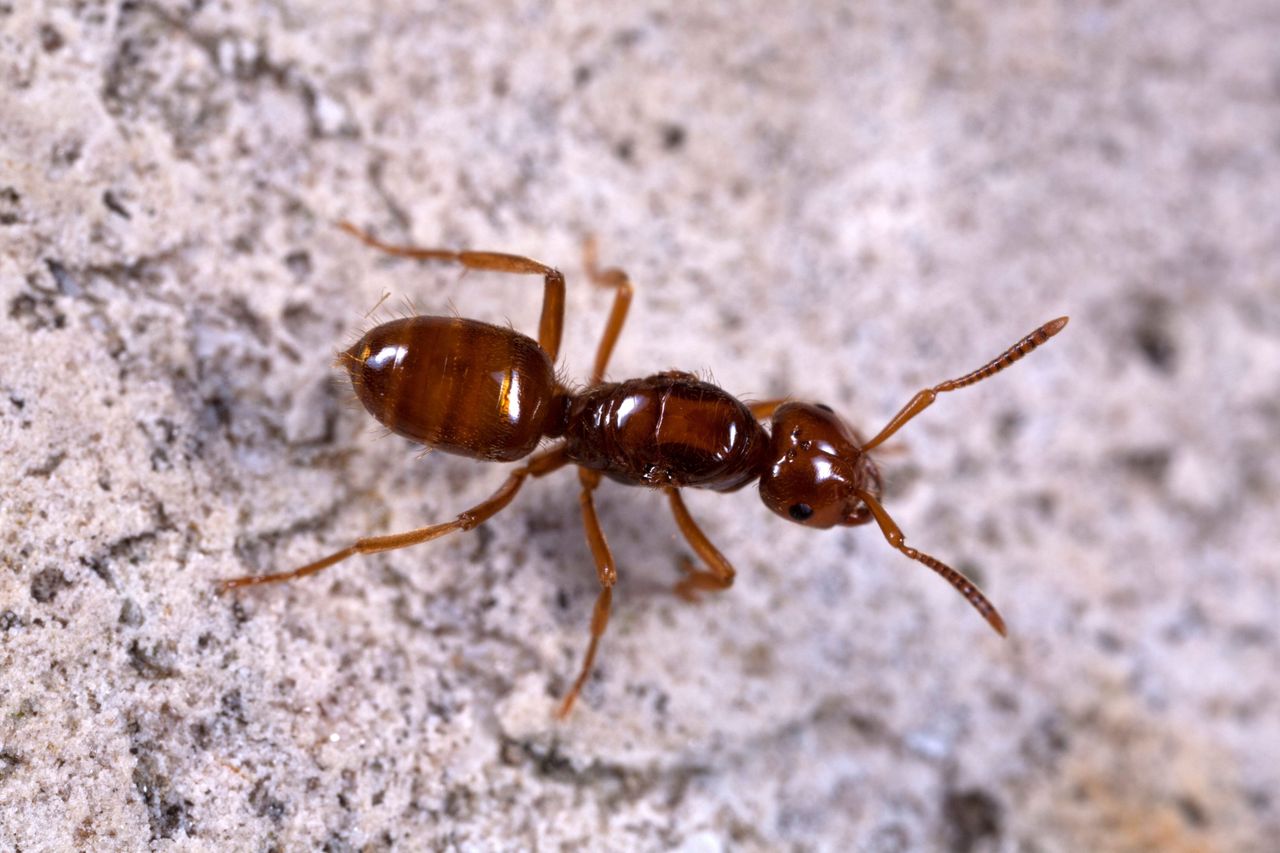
point(458, 385)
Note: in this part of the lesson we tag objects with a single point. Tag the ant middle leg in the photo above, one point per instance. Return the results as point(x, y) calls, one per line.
point(924, 399)
point(623, 291)
point(721, 574)
point(551, 324)
point(606, 571)
point(538, 466)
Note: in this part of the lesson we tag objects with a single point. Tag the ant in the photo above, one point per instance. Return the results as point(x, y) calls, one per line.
point(488, 392)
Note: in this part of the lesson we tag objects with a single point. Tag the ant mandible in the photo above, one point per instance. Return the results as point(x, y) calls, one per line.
point(489, 392)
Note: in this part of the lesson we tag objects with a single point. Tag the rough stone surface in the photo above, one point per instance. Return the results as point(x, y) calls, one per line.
point(843, 203)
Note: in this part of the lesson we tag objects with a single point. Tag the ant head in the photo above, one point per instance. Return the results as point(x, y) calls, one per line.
point(817, 463)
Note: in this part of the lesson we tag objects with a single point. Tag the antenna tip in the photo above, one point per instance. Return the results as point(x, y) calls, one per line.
point(349, 227)
point(993, 618)
point(1054, 326)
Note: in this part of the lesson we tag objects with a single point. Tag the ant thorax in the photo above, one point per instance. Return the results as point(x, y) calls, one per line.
point(667, 430)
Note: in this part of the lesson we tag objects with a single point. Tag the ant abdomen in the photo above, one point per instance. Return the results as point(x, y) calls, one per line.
point(458, 385)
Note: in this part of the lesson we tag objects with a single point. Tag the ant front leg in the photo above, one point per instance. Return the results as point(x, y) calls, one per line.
point(538, 466)
point(623, 291)
point(606, 571)
point(550, 325)
point(721, 574)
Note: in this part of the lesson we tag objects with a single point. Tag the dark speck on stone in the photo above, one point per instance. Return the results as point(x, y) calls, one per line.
point(46, 583)
point(131, 614)
point(50, 39)
point(1153, 337)
point(972, 817)
point(147, 663)
point(9, 762)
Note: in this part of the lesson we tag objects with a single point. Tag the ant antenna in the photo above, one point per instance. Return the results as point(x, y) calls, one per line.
point(966, 587)
point(925, 398)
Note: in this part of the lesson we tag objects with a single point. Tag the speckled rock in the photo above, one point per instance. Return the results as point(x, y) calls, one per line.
point(843, 204)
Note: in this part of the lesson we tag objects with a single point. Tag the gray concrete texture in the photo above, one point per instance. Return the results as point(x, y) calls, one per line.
point(841, 202)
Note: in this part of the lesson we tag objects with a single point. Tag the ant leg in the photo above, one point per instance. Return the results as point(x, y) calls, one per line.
point(925, 398)
point(543, 463)
point(966, 587)
point(721, 575)
point(764, 408)
point(606, 571)
point(623, 291)
point(550, 325)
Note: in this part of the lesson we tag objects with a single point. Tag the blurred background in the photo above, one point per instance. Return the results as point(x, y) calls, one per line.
point(838, 202)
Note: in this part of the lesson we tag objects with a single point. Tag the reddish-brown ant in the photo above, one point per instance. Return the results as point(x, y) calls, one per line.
point(489, 392)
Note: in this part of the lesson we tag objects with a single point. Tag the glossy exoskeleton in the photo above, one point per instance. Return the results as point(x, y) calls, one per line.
point(488, 392)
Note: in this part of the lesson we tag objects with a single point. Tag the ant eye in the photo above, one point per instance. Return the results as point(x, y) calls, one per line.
point(800, 512)
point(824, 407)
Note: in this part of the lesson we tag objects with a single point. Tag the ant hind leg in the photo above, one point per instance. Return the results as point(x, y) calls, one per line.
point(550, 325)
point(762, 410)
point(623, 291)
point(542, 464)
point(606, 571)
